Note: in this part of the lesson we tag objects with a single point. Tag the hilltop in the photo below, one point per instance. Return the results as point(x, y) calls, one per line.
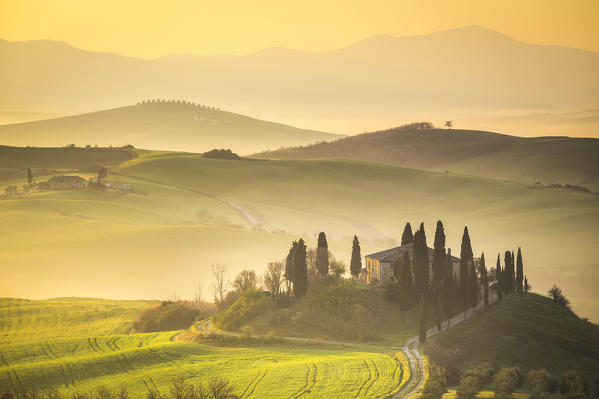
point(562, 160)
point(529, 331)
point(382, 79)
point(173, 125)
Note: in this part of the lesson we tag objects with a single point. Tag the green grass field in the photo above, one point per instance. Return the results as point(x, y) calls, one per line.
point(78, 344)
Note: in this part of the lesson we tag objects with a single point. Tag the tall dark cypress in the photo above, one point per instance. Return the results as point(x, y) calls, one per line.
point(439, 254)
point(466, 263)
point(499, 278)
point(508, 273)
point(300, 271)
point(421, 264)
point(290, 263)
point(484, 280)
point(406, 287)
point(407, 236)
point(519, 271)
point(422, 330)
point(355, 265)
point(474, 286)
point(448, 288)
point(322, 255)
point(526, 284)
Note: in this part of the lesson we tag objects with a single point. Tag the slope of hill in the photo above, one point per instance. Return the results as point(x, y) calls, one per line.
point(529, 331)
point(456, 72)
point(161, 125)
point(562, 160)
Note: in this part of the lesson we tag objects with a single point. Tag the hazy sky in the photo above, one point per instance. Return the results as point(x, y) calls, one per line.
point(146, 28)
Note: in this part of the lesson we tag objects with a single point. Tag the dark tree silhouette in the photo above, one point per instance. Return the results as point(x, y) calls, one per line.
point(499, 278)
point(466, 263)
point(406, 287)
point(508, 273)
point(407, 236)
point(449, 124)
point(290, 265)
point(300, 270)
point(438, 267)
point(421, 264)
point(29, 176)
point(519, 271)
point(322, 255)
point(423, 315)
point(555, 293)
point(355, 266)
point(484, 279)
point(448, 288)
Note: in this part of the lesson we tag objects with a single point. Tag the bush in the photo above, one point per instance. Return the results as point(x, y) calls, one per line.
point(221, 154)
point(250, 304)
point(473, 380)
point(444, 358)
point(506, 380)
point(574, 384)
point(436, 384)
point(538, 381)
point(172, 316)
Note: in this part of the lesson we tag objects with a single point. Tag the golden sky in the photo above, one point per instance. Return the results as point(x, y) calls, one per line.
point(152, 28)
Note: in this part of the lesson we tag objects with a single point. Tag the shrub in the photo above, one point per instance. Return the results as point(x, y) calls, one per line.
point(172, 316)
point(445, 358)
point(506, 380)
point(574, 384)
point(473, 380)
point(538, 381)
point(250, 304)
point(436, 384)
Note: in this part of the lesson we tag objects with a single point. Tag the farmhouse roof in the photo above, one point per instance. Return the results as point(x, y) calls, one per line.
point(393, 254)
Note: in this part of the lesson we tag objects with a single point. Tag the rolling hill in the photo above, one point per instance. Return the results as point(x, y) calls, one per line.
point(528, 331)
point(376, 82)
point(161, 125)
point(187, 212)
point(562, 160)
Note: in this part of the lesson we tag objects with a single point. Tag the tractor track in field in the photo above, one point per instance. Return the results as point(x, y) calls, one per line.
point(255, 382)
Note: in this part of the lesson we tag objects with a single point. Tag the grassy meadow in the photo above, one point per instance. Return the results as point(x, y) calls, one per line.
point(78, 344)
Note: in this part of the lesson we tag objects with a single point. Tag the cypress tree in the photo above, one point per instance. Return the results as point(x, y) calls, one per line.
point(508, 273)
point(29, 176)
point(519, 271)
point(407, 236)
point(448, 288)
point(499, 278)
point(466, 262)
point(422, 331)
point(290, 264)
point(406, 287)
point(421, 264)
point(322, 255)
point(526, 284)
point(439, 253)
point(300, 271)
point(474, 287)
point(484, 279)
point(355, 266)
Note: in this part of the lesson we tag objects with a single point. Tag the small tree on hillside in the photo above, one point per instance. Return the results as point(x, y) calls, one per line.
point(355, 266)
point(526, 285)
point(556, 295)
point(102, 173)
point(484, 279)
point(449, 124)
point(273, 278)
point(322, 255)
point(407, 236)
point(245, 280)
point(221, 283)
point(29, 176)
point(519, 271)
point(406, 287)
point(300, 271)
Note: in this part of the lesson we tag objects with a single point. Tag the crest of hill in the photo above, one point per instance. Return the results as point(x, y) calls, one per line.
point(562, 160)
point(529, 331)
point(172, 125)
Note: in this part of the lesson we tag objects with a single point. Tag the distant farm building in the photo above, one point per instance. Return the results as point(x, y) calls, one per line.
point(379, 266)
point(63, 183)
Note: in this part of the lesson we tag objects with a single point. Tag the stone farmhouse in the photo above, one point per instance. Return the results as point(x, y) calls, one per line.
point(63, 183)
point(379, 266)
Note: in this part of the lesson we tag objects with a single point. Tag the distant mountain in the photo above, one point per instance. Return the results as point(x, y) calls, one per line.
point(165, 125)
point(561, 160)
point(448, 74)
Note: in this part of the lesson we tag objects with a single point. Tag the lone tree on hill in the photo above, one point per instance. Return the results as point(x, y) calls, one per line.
point(448, 288)
point(420, 255)
point(555, 293)
point(29, 176)
point(466, 263)
point(519, 271)
point(406, 286)
point(449, 124)
point(407, 236)
point(322, 255)
point(484, 279)
point(355, 266)
point(300, 270)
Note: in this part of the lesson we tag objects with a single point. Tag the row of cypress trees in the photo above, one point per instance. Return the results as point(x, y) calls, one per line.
point(296, 266)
